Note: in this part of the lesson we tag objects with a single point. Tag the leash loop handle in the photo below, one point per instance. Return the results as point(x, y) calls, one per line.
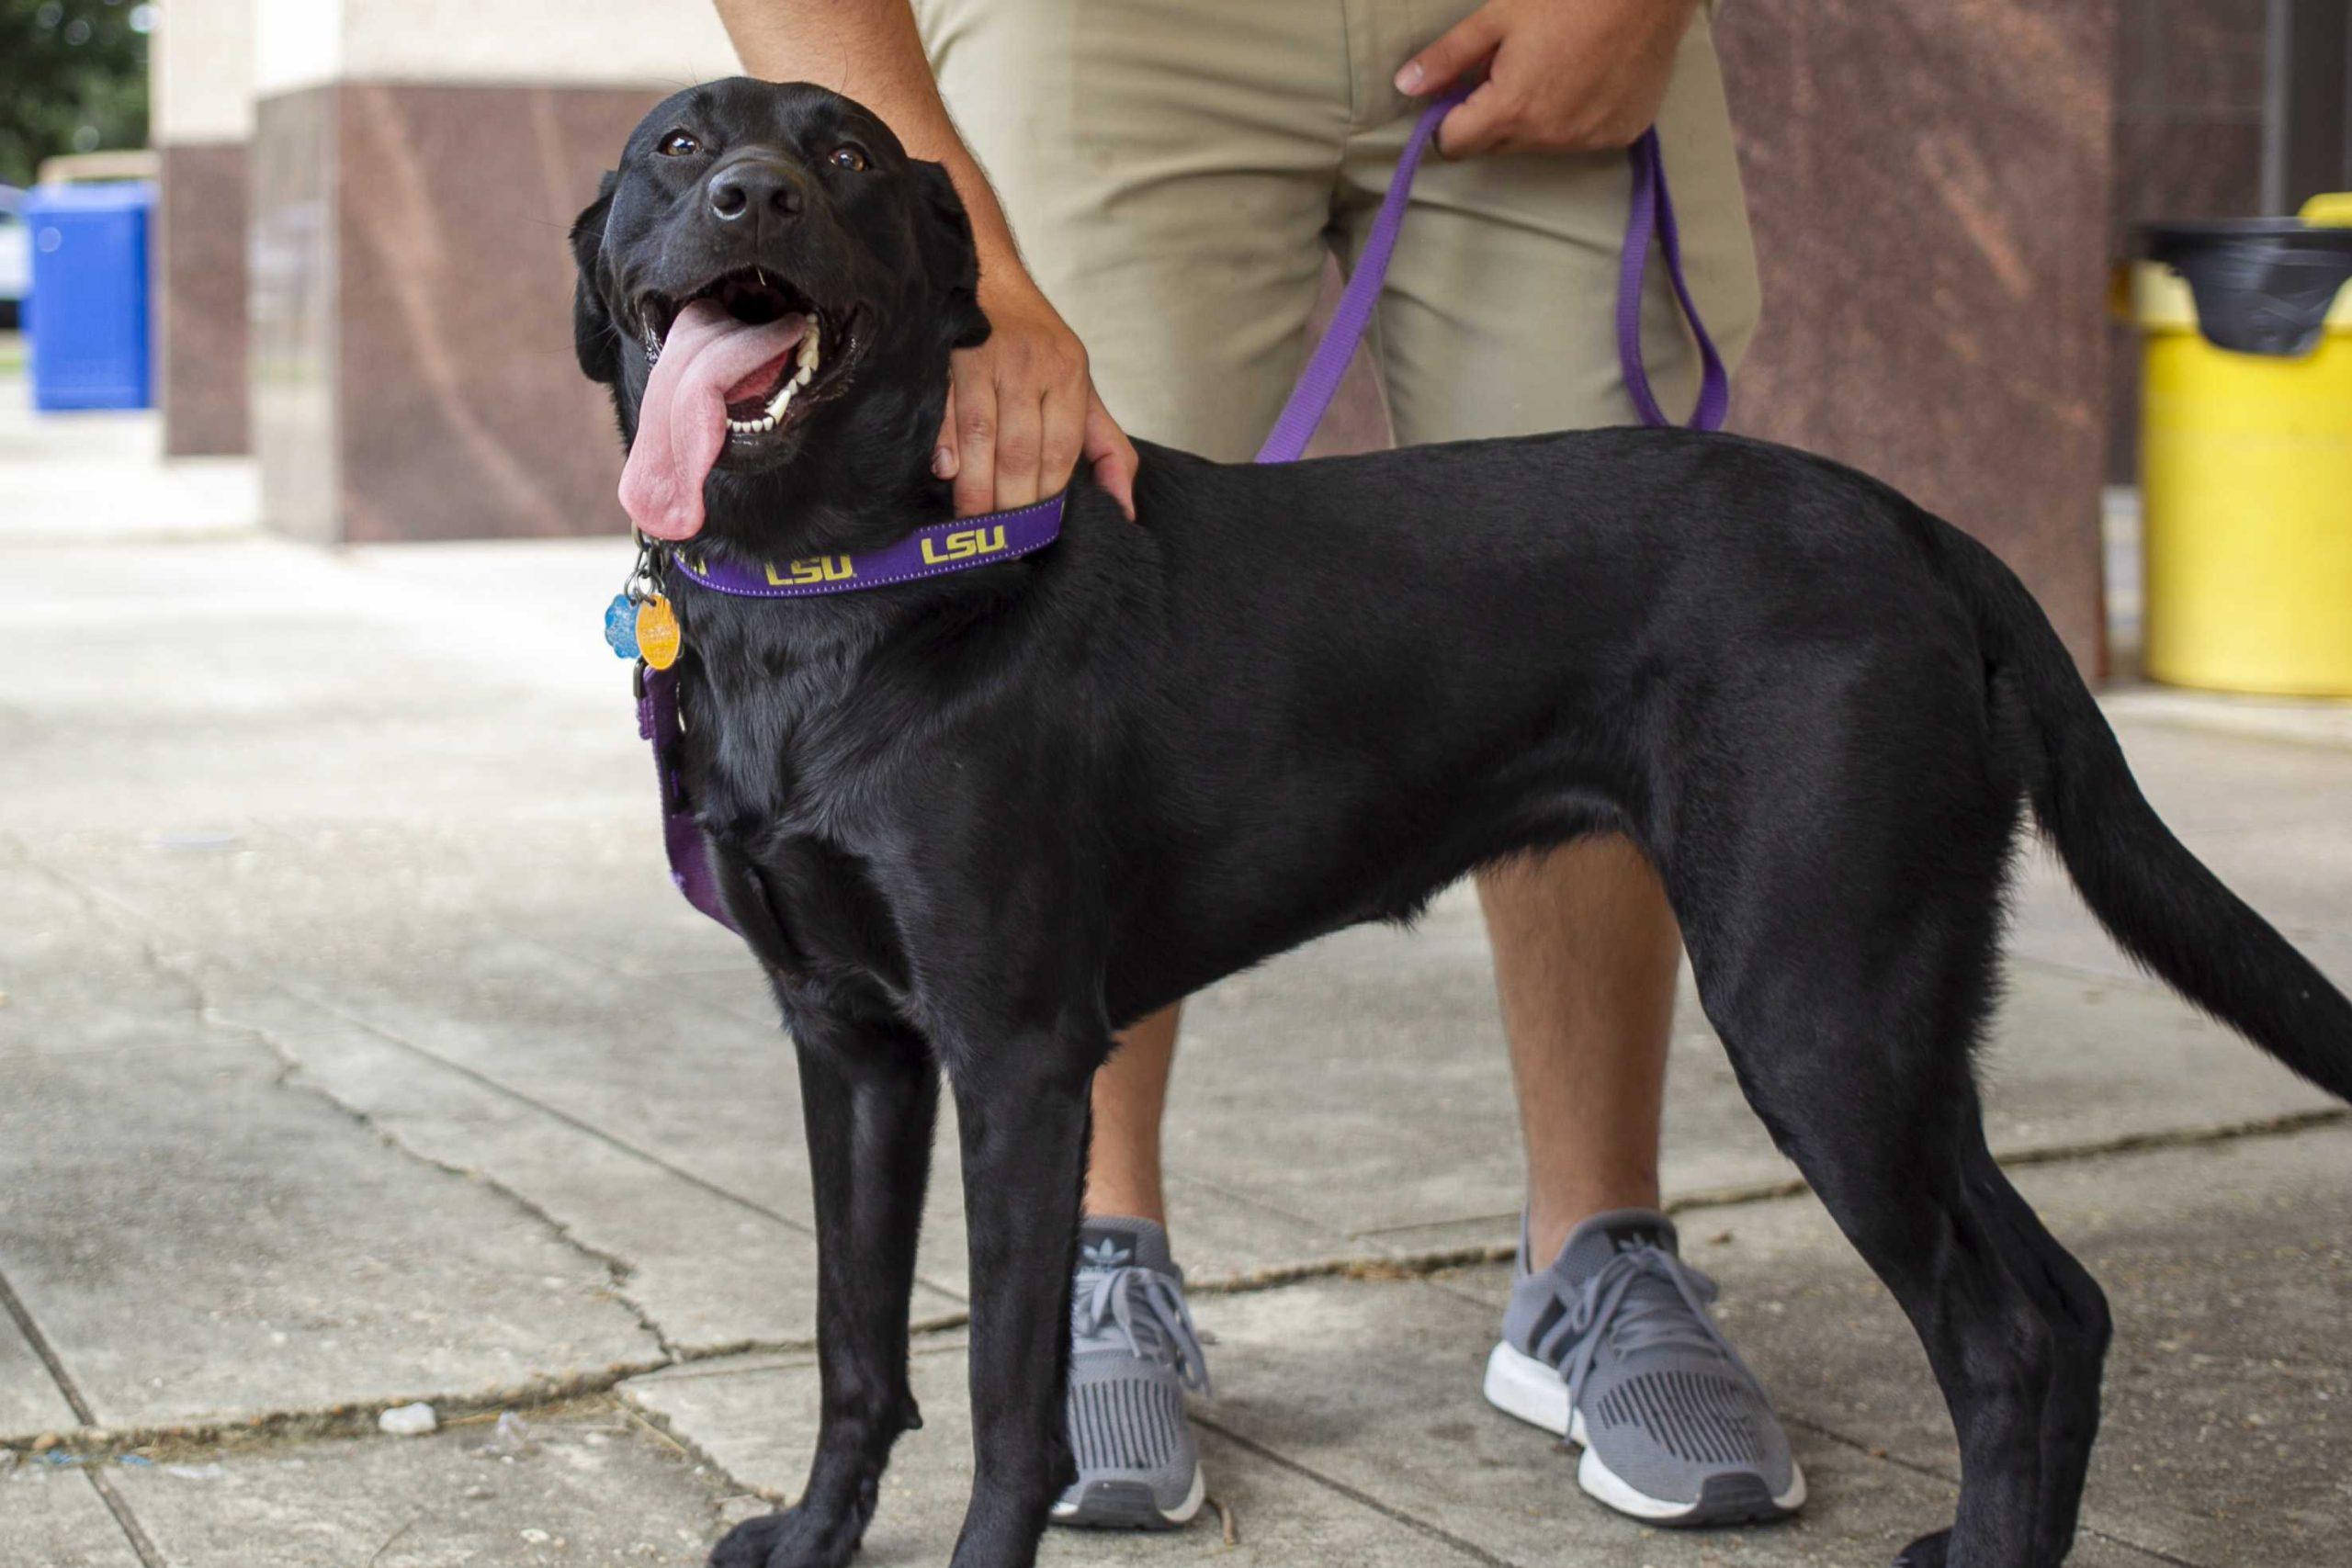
point(1650, 213)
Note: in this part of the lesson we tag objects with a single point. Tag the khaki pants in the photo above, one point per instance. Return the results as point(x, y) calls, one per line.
point(1176, 171)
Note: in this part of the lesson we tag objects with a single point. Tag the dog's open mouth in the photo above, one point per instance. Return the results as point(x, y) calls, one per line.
point(731, 367)
point(779, 389)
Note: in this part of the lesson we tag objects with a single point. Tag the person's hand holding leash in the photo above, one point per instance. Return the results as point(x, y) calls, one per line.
point(1561, 75)
point(1022, 411)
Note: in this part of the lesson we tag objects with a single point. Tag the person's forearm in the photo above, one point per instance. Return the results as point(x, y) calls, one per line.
point(1022, 410)
point(870, 51)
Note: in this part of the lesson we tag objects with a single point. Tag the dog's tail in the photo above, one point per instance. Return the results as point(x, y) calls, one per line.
point(2155, 898)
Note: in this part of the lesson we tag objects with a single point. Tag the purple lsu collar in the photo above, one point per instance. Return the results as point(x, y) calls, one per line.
point(927, 552)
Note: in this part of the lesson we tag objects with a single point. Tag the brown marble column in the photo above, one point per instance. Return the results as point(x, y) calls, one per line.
point(1930, 183)
point(412, 366)
point(199, 287)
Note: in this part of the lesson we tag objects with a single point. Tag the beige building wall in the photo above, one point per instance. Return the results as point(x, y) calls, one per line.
point(201, 82)
point(309, 43)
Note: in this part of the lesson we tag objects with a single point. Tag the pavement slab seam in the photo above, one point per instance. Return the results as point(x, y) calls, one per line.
point(67, 1388)
point(1880, 1454)
point(97, 1440)
point(132, 1531)
point(1402, 1264)
point(1360, 1497)
point(660, 1425)
point(93, 1444)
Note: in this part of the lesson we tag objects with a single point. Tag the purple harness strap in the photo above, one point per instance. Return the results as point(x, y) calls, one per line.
point(1002, 535)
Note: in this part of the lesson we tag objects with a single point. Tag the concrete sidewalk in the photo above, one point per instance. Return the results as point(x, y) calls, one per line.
point(355, 1051)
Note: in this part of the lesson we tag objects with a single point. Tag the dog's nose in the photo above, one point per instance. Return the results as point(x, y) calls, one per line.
point(752, 188)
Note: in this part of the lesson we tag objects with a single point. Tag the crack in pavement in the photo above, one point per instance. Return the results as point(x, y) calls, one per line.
point(208, 1016)
point(99, 899)
point(295, 1077)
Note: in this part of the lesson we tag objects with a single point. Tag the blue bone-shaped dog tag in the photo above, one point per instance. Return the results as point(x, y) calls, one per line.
point(621, 625)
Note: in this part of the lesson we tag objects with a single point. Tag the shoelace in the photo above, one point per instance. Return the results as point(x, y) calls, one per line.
point(1607, 1307)
point(1129, 1298)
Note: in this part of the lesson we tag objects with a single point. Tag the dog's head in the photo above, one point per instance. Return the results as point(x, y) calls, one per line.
point(817, 277)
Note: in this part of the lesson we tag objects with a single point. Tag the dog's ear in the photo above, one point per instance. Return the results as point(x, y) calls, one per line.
point(594, 336)
point(950, 258)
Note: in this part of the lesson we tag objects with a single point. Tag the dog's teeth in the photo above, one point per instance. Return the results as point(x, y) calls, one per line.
point(809, 361)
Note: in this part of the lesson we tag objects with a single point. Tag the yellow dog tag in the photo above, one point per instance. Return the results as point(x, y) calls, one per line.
point(657, 633)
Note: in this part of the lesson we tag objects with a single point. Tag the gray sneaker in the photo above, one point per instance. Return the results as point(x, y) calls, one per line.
point(1133, 1354)
point(1611, 1348)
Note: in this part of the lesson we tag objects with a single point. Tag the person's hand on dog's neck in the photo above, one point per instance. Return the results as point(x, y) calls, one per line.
point(1024, 410)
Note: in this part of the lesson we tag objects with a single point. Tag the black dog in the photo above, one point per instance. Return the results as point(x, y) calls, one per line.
point(974, 823)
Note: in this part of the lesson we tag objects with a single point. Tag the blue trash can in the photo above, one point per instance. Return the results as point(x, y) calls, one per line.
point(85, 321)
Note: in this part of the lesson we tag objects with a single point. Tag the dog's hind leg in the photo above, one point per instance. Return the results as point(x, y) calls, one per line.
point(1884, 1153)
point(1840, 900)
point(869, 1096)
point(2076, 1309)
point(1849, 1030)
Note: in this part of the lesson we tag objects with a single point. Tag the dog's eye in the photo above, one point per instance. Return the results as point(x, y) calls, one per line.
point(851, 156)
point(680, 144)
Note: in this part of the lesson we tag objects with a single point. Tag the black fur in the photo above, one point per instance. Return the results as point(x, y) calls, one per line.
point(973, 824)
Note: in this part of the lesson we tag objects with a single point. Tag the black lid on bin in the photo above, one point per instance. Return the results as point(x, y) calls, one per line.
point(2263, 285)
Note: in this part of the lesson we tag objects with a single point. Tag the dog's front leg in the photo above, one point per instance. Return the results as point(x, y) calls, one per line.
point(1021, 1111)
point(869, 1096)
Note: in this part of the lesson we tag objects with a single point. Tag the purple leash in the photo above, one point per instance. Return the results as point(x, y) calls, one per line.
point(1032, 528)
point(657, 721)
point(1652, 211)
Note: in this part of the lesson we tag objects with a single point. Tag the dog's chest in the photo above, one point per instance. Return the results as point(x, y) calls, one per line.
point(802, 796)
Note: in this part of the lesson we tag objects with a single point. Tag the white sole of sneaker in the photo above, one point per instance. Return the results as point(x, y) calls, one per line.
point(1128, 1505)
point(1519, 1385)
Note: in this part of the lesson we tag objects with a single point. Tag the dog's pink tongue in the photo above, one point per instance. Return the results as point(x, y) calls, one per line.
point(682, 422)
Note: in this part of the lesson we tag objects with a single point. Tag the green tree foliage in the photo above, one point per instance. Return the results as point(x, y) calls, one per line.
point(73, 79)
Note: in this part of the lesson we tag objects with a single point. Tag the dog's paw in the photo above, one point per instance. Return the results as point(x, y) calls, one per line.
point(1928, 1551)
point(789, 1537)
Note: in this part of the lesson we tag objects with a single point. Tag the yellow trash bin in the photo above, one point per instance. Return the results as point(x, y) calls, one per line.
point(2245, 453)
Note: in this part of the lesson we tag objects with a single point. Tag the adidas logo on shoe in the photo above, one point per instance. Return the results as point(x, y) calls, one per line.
point(1105, 1254)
